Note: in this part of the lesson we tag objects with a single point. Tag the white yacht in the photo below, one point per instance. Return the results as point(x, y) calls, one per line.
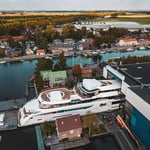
point(90, 95)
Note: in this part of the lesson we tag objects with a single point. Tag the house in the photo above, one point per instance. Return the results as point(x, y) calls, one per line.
point(40, 52)
point(69, 127)
point(14, 52)
point(53, 78)
point(28, 51)
point(86, 73)
point(128, 42)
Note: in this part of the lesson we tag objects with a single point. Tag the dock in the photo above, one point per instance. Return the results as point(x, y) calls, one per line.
point(67, 145)
point(10, 110)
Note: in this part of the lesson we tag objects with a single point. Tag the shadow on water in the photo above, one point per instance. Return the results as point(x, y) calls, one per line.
point(105, 142)
point(21, 139)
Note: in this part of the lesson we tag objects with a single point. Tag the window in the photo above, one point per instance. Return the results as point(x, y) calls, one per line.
point(102, 104)
point(71, 131)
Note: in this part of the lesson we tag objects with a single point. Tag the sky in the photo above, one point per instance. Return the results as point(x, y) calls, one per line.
point(51, 5)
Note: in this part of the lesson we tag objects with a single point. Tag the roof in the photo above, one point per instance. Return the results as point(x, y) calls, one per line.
point(53, 75)
point(91, 84)
point(84, 71)
point(68, 123)
point(129, 40)
point(143, 92)
point(40, 51)
point(135, 74)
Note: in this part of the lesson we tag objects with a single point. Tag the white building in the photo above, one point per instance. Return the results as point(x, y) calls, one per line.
point(136, 88)
point(128, 42)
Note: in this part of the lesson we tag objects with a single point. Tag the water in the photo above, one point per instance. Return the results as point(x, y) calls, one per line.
point(22, 139)
point(14, 76)
point(107, 142)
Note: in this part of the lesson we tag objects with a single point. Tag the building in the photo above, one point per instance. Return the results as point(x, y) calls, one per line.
point(53, 78)
point(40, 52)
point(86, 73)
point(128, 42)
point(14, 52)
point(69, 127)
point(28, 51)
point(135, 79)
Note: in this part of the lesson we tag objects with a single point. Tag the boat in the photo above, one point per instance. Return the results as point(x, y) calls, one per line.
point(130, 49)
point(142, 48)
point(2, 62)
point(90, 95)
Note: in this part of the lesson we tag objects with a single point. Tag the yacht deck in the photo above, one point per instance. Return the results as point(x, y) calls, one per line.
point(64, 93)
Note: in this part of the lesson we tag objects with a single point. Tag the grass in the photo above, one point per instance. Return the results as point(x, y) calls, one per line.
point(120, 19)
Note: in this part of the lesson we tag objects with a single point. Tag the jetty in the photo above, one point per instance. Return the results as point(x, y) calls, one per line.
point(9, 109)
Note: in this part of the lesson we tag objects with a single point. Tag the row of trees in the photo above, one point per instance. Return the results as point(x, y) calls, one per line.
point(135, 59)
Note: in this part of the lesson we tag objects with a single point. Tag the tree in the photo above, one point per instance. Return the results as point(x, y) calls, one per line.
point(43, 64)
point(69, 82)
point(89, 119)
point(61, 64)
point(76, 70)
point(67, 29)
point(50, 33)
point(2, 52)
point(40, 39)
point(39, 82)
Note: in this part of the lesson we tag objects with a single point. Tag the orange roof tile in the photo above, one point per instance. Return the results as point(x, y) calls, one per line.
point(129, 40)
point(86, 71)
point(40, 51)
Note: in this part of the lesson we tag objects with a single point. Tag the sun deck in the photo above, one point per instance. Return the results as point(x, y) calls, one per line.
point(54, 95)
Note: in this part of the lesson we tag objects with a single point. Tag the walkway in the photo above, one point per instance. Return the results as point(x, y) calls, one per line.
point(12, 104)
point(39, 138)
point(70, 144)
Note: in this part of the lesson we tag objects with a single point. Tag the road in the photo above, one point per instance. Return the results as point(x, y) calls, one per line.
point(121, 135)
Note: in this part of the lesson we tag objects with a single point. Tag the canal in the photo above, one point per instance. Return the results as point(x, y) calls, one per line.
point(13, 79)
point(14, 76)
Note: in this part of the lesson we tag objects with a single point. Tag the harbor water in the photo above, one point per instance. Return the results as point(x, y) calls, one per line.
point(13, 80)
point(14, 76)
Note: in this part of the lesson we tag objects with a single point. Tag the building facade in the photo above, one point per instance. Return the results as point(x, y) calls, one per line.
point(69, 127)
point(53, 78)
point(136, 88)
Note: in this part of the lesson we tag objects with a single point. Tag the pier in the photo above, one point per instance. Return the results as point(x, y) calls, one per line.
point(10, 110)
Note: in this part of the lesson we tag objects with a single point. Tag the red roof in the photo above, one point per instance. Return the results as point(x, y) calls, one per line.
point(68, 123)
point(129, 40)
point(84, 71)
point(40, 51)
point(13, 37)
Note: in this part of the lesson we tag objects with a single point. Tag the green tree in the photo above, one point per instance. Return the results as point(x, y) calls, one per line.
point(50, 33)
point(39, 82)
point(61, 64)
point(40, 39)
point(43, 64)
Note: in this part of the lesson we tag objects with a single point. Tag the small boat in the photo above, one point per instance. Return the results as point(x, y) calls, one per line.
point(2, 62)
point(130, 49)
point(142, 48)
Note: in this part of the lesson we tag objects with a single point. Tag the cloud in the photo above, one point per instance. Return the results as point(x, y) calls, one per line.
point(74, 4)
